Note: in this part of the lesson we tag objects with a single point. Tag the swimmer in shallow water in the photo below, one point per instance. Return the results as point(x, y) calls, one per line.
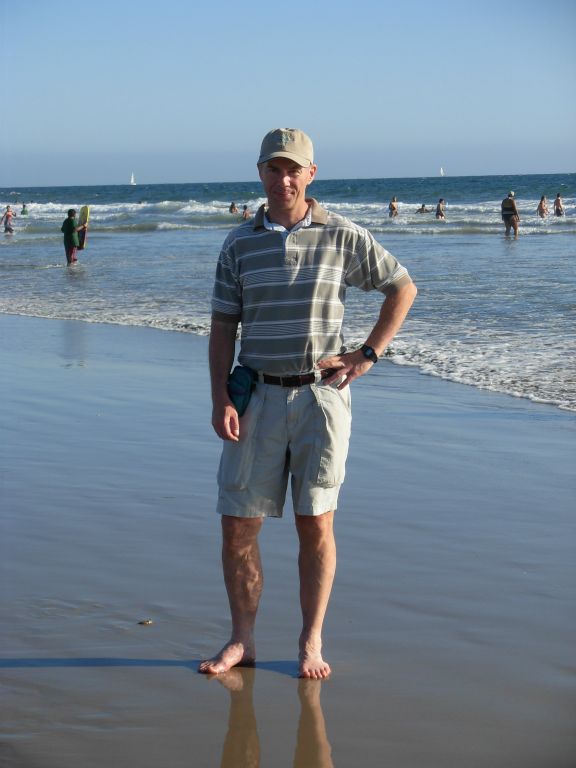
point(558, 206)
point(542, 209)
point(7, 220)
point(510, 215)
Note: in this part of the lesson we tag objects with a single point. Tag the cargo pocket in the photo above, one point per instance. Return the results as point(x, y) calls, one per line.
point(237, 459)
point(332, 423)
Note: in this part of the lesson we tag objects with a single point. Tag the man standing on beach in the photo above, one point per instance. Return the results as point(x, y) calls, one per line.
point(283, 276)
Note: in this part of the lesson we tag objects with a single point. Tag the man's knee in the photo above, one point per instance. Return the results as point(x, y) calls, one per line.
point(315, 528)
point(240, 531)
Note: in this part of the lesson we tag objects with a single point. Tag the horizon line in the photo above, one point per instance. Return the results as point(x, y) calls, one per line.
point(249, 181)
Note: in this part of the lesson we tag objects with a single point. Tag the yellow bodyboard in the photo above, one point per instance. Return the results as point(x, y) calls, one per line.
point(83, 218)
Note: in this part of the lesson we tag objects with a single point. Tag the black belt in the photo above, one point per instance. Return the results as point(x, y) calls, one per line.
point(297, 381)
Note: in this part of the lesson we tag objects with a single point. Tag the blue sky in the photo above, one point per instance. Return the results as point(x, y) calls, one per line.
point(181, 91)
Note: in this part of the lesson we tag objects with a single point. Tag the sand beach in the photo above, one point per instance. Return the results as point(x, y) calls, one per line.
point(452, 624)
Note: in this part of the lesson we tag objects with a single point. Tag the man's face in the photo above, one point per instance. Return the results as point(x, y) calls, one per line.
point(285, 183)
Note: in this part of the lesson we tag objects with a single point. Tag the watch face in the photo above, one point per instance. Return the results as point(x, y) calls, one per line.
point(369, 353)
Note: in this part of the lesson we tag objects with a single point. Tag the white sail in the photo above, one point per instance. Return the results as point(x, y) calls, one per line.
point(132, 180)
point(441, 171)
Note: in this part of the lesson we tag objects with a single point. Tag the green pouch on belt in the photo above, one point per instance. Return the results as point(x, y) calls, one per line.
point(241, 383)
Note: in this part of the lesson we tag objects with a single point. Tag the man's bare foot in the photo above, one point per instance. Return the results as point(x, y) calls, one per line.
point(310, 662)
point(232, 655)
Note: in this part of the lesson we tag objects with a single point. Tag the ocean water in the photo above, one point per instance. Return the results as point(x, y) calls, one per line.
point(492, 312)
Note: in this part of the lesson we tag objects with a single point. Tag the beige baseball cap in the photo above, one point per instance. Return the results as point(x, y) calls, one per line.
point(287, 142)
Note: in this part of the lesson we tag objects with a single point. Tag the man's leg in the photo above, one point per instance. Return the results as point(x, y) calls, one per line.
point(243, 579)
point(317, 566)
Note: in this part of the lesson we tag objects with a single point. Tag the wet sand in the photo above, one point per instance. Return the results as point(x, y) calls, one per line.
point(451, 628)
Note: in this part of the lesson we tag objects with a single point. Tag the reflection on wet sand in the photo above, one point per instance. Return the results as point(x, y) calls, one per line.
point(242, 747)
point(73, 345)
point(312, 747)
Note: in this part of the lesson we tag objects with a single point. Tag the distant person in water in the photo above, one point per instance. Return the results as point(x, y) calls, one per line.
point(70, 230)
point(440, 209)
point(245, 212)
point(393, 208)
point(7, 220)
point(510, 215)
point(542, 209)
point(423, 209)
point(558, 206)
point(24, 211)
point(233, 207)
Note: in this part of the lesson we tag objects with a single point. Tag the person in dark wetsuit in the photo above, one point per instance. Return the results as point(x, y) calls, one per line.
point(510, 215)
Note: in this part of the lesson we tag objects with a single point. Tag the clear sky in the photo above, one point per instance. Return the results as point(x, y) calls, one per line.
point(184, 90)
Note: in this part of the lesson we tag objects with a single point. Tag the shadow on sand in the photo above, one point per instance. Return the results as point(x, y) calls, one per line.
point(289, 668)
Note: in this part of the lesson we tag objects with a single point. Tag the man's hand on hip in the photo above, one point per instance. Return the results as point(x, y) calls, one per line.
point(352, 365)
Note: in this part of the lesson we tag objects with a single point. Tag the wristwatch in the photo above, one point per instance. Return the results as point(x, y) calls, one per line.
point(369, 353)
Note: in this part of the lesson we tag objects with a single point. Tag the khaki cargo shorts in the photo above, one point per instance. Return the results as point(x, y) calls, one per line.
point(301, 433)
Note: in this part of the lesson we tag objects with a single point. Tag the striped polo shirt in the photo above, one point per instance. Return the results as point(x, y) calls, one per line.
point(287, 288)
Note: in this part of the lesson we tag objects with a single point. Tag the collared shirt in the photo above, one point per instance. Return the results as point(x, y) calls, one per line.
point(287, 287)
point(273, 227)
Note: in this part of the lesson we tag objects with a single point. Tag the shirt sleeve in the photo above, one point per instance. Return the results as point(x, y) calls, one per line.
point(372, 267)
point(227, 293)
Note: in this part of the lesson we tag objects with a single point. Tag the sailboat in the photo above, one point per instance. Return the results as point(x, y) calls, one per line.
point(132, 180)
point(441, 171)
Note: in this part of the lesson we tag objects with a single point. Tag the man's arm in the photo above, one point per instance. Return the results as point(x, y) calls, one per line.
point(392, 313)
point(221, 351)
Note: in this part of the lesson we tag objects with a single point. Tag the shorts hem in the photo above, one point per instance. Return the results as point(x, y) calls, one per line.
point(228, 510)
point(327, 502)
point(315, 512)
